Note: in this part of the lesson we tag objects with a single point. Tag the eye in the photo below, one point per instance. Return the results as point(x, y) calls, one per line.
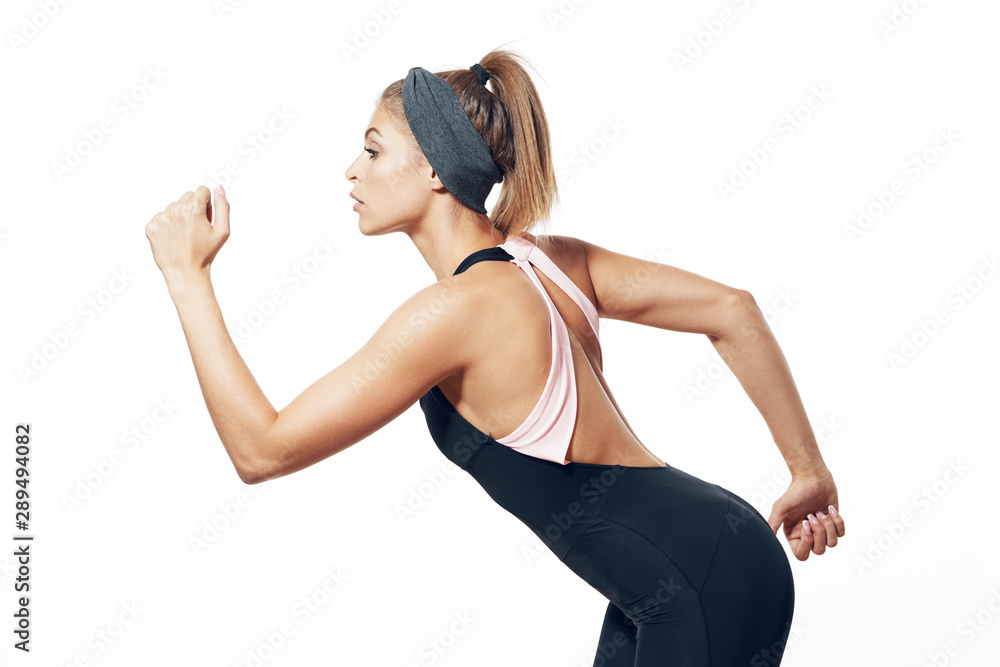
point(374, 153)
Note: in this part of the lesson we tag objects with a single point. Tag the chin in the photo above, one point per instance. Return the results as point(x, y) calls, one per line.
point(368, 230)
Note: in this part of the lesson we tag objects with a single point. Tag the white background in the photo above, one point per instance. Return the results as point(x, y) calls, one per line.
point(901, 586)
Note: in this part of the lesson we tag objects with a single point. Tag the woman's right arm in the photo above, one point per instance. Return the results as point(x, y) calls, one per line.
point(666, 297)
point(657, 295)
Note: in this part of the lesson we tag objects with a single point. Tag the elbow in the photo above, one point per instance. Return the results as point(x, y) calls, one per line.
point(250, 476)
point(258, 460)
point(746, 306)
point(248, 479)
point(254, 472)
point(743, 297)
point(742, 314)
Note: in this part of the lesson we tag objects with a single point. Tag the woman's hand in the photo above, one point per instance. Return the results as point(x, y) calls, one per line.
point(807, 502)
point(183, 237)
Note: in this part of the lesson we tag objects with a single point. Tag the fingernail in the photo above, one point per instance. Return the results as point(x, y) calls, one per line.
point(805, 528)
point(222, 190)
point(813, 519)
point(820, 515)
point(833, 511)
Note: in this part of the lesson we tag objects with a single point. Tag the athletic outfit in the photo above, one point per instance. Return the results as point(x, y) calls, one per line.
point(693, 574)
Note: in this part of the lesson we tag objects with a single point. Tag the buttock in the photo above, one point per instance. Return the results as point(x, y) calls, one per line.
point(691, 567)
point(650, 547)
point(585, 513)
point(673, 551)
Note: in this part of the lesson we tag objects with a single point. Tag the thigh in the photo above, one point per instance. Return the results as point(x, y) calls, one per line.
point(693, 566)
point(749, 596)
point(616, 647)
point(648, 553)
point(648, 588)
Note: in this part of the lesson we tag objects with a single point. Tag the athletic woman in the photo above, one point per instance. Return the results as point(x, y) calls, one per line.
point(503, 355)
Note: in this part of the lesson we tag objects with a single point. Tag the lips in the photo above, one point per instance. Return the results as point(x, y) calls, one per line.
point(356, 199)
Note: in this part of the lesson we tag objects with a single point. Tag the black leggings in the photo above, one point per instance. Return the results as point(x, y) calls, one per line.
point(693, 574)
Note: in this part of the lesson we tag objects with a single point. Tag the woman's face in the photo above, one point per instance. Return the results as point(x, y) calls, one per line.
point(393, 194)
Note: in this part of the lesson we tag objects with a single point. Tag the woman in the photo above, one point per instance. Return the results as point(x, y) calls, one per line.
point(502, 353)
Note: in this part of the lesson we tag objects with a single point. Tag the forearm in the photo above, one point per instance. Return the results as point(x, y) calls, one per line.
point(239, 409)
point(750, 350)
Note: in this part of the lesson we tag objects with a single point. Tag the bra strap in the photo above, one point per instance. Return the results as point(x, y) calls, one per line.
point(494, 253)
point(535, 256)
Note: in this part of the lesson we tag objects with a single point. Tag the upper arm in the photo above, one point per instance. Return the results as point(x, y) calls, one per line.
point(417, 346)
point(658, 295)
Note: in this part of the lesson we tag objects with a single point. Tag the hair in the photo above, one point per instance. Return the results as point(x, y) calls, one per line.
point(511, 121)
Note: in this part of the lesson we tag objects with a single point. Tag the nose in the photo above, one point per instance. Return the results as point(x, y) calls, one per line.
point(352, 170)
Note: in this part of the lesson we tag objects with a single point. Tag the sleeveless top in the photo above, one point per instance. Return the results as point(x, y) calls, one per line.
point(548, 429)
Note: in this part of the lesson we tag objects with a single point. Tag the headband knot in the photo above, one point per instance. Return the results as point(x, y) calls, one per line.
point(448, 139)
point(481, 72)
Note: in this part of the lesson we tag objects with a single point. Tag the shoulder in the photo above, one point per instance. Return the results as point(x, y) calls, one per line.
point(570, 255)
point(441, 306)
point(434, 322)
point(560, 249)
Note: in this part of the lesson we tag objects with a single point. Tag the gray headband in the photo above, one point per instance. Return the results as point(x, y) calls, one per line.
point(447, 137)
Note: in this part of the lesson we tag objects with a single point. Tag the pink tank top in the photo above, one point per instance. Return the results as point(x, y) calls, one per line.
point(548, 429)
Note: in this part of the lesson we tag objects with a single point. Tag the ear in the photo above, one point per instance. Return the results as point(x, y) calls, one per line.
point(436, 183)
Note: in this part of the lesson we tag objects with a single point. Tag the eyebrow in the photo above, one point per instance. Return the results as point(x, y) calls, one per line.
point(370, 130)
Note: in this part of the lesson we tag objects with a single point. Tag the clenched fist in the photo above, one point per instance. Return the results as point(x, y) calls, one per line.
point(185, 236)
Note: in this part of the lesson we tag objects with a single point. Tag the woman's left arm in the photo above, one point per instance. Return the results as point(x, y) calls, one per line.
point(238, 407)
point(420, 344)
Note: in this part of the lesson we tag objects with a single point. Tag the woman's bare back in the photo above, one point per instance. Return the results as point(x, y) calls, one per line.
point(512, 325)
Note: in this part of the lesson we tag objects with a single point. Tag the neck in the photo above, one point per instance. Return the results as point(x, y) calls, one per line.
point(445, 241)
